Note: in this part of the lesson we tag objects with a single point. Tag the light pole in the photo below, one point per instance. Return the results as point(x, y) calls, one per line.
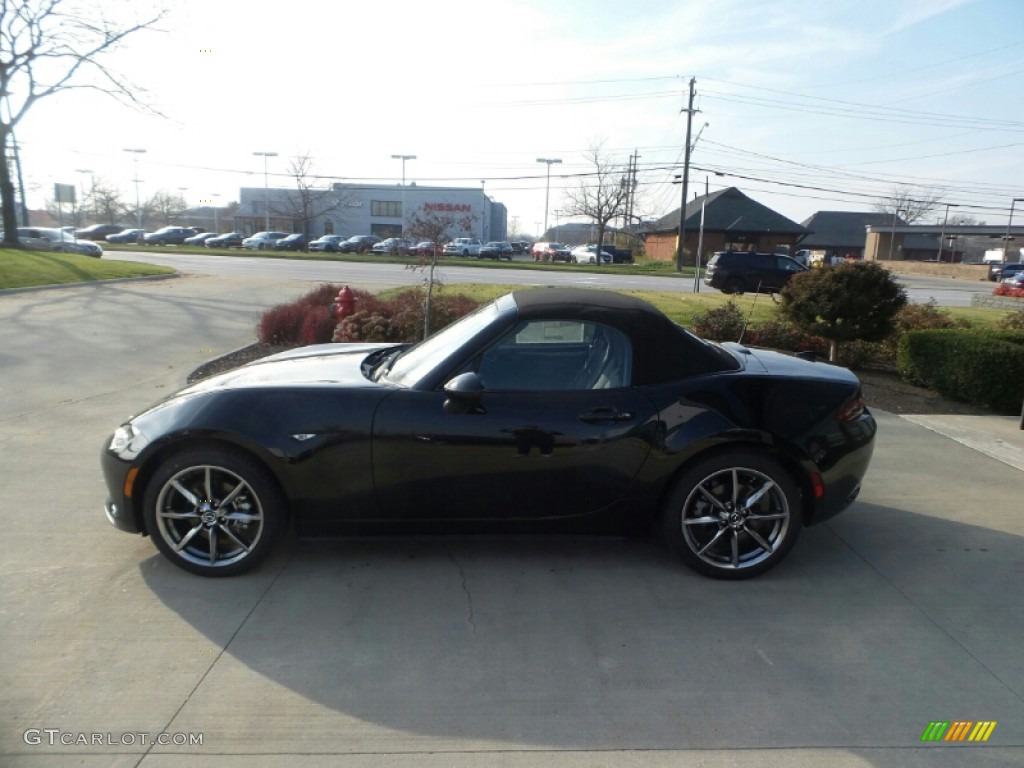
point(1006, 247)
point(181, 200)
point(92, 188)
point(547, 188)
point(483, 211)
point(138, 206)
point(892, 237)
point(266, 193)
point(216, 221)
point(403, 158)
point(942, 234)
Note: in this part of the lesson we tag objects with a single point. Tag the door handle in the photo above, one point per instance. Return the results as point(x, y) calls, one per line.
point(606, 414)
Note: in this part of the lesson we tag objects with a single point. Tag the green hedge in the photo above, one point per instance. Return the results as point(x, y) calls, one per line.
point(984, 367)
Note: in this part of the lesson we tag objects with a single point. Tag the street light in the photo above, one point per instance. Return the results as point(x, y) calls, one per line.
point(181, 199)
point(1006, 247)
point(403, 158)
point(92, 178)
point(216, 224)
point(547, 189)
point(266, 193)
point(138, 206)
point(892, 237)
point(483, 211)
point(942, 234)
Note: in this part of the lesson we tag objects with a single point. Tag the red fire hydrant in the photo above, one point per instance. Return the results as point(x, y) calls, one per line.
point(345, 303)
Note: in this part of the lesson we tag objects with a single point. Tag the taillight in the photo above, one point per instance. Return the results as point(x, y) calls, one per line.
point(852, 410)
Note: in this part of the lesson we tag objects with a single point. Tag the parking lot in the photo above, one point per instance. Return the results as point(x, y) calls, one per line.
point(454, 651)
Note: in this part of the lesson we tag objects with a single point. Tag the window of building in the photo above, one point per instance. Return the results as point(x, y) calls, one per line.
point(386, 208)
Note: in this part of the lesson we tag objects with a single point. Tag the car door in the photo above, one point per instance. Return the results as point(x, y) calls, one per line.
point(558, 431)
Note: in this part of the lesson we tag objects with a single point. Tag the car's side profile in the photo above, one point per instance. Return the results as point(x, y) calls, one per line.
point(547, 409)
point(743, 271)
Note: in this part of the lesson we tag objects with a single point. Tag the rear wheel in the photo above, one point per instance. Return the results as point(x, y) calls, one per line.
point(733, 516)
point(213, 512)
point(733, 285)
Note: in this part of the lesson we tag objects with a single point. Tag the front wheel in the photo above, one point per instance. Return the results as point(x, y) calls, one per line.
point(213, 512)
point(733, 516)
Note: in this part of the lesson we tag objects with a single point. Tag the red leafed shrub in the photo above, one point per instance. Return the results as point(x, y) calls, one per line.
point(318, 326)
point(291, 323)
point(282, 324)
point(1006, 290)
point(401, 318)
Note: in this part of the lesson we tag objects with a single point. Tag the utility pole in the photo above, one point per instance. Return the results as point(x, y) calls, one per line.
point(686, 177)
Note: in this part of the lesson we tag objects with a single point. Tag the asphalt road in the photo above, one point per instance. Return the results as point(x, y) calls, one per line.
point(945, 292)
point(459, 652)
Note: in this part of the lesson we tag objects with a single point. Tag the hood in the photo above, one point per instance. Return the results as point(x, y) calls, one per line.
point(336, 364)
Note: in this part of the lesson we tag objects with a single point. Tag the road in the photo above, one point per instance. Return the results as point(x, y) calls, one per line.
point(945, 292)
point(457, 651)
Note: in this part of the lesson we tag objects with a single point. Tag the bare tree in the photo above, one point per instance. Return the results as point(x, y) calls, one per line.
point(909, 203)
point(309, 201)
point(105, 203)
point(50, 46)
point(438, 227)
point(166, 206)
point(600, 196)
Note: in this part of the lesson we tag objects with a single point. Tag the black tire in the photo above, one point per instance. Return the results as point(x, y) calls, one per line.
point(213, 512)
point(711, 524)
point(734, 285)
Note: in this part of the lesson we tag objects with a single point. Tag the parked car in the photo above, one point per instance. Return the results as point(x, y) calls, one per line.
point(587, 254)
point(295, 242)
point(496, 249)
point(225, 240)
point(84, 247)
point(262, 240)
point(127, 236)
point(1016, 281)
point(999, 271)
point(426, 248)
point(393, 246)
point(52, 239)
point(359, 244)
point(327, 243)
point(98, 231)
point(463, 246)
point(552, 407)
point(742, 271)
point(168, 236)
point(549, 252)
point(200, 239)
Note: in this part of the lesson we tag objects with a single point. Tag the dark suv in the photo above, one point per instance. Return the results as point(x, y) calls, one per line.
point(741, 271)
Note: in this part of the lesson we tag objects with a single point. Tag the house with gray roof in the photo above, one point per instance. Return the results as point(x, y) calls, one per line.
point(732, 221)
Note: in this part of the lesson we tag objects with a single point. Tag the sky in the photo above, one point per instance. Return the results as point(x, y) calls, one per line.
point(808, 105)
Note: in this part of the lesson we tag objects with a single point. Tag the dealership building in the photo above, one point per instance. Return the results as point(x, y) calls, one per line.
point(365, 209)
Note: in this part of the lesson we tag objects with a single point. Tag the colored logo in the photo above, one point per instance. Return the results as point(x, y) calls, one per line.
point(959, 730)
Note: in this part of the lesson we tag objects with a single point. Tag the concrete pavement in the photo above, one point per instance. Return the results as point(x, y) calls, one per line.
point(456, 651)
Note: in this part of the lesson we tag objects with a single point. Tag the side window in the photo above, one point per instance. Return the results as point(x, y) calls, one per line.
point(541, 355)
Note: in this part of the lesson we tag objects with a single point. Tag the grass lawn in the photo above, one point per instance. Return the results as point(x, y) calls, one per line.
point(684, 307)
point(25, 269)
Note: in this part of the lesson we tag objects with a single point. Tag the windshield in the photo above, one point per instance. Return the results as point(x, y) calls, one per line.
point(418, 361)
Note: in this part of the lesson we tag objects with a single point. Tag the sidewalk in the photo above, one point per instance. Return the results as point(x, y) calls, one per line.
point(999, 437)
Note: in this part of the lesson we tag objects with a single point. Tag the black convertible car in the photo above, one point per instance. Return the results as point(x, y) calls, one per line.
point(548, 409)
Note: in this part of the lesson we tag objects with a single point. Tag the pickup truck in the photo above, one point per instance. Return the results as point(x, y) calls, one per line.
point(463, 246)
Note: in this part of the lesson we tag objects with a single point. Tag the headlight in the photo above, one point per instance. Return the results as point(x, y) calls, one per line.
point(126, 442)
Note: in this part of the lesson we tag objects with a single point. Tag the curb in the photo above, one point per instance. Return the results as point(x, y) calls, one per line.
point(110, 281)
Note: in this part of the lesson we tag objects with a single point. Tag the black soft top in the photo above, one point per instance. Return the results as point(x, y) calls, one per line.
point(662, 350)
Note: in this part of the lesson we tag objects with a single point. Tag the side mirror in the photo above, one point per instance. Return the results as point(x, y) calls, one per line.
point(464, 392)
